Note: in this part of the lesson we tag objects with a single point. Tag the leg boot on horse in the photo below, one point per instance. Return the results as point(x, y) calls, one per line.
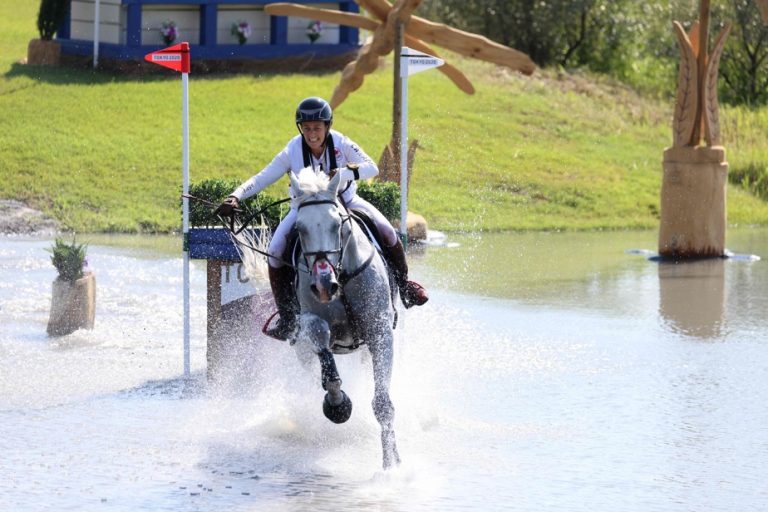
point(411, 292)
point(281, 281)
point(337, 406)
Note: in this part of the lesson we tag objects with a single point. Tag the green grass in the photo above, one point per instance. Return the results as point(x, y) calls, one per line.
point(103, 153)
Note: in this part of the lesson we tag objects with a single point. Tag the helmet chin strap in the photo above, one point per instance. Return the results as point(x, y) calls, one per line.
point(327, 146)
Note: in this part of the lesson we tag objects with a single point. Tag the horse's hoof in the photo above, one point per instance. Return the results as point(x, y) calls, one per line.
point(337, 413)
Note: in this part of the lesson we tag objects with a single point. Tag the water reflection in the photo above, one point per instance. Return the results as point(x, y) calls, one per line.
point(692, 297)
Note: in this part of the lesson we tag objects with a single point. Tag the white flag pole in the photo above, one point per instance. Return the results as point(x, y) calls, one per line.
point(96, 26)
point(177, 57)
point(185, 209)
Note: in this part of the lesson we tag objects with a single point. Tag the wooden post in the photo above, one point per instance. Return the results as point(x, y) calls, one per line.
point(397, 101)
point(213, 300)
point(73, 305)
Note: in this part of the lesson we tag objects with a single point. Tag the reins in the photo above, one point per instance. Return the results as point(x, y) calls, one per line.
point(230, 225)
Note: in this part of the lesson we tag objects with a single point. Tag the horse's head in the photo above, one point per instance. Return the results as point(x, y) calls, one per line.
point(319, 223)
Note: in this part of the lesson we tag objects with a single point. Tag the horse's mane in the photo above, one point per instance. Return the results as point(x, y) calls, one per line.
point(312, 182)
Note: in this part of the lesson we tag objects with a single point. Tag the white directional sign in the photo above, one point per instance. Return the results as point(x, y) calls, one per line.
point(413, 62)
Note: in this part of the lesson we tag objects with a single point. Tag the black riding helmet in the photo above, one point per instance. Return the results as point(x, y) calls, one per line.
point(313, 109)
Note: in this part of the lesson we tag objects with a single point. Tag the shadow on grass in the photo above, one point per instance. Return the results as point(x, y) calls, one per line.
point(68, 75)
point(79, 70)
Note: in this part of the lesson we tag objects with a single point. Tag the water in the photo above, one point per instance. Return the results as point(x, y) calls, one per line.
point(548, 372)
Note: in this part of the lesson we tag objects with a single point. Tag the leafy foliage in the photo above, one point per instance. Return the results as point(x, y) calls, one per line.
point(752, 177)
point(629, 40)
point(383, 195)
point(51, 16)
point(551, 32)
point(69, 259)
point(743, 70)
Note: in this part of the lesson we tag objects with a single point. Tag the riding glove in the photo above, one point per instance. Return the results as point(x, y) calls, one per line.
point(348, 173)
point(227, 207)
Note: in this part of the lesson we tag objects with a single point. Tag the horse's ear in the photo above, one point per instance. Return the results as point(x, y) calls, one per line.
point(333, 185)
point(295, 184)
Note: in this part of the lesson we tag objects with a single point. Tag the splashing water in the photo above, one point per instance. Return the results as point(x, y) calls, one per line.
point(566, 381)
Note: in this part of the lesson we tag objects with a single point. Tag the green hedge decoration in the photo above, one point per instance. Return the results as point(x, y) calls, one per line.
point(215, 191)
point(383, 195)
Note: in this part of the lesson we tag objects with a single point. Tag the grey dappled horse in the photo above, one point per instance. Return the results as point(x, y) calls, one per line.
point(346, 299)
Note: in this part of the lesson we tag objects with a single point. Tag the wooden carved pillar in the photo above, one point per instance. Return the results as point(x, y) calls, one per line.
point(693, 214)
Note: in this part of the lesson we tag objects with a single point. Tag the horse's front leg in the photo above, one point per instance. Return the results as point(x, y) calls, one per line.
point(337, 406)
point(382, 351)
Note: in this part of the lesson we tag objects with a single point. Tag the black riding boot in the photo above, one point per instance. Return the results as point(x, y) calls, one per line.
point(281, 281)
point(411, 292)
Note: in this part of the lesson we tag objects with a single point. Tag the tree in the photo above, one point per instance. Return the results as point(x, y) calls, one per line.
point(50, 17)
point(551, 32)
point(743, 66)
point(629, 40)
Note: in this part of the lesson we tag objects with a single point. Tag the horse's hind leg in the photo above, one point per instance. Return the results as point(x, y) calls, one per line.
point(337, 406)
point(382, 404)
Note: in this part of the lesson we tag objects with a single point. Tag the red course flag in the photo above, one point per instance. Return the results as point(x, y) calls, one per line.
point(175, 57)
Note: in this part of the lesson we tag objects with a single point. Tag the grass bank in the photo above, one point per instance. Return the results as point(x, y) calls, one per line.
point(102, 153)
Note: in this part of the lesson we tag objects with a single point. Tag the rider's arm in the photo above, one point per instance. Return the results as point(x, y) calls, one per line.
point(365, 166)
point(267, 176)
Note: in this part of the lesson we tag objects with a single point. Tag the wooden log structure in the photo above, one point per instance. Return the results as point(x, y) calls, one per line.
point(355, 20)
point(459, 41)
point(73, 305)
point(693, 213)
point(381, 44)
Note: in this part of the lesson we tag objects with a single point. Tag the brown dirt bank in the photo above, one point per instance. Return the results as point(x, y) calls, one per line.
point(16, 218)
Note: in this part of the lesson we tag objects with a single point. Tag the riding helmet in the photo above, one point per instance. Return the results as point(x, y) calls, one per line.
point(314, 109)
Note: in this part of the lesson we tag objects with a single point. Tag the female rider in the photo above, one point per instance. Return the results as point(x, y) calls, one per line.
point(328, 151)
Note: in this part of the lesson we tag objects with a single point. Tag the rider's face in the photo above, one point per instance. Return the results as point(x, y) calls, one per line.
point(314, 133)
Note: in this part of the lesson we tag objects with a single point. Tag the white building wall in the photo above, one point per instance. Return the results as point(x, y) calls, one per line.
point(112, 27)
point(111, 21)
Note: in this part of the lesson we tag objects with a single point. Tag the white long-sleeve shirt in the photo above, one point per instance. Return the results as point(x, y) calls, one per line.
point(291, 158)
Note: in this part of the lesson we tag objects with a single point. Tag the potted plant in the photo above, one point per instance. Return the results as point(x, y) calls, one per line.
point(242, 31)
point(45, 51)
point(169, 32)
point(73, 305)
point(314, 31)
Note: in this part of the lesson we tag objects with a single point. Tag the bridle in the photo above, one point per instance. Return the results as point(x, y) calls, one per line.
point(343, 277)
point(323, 254)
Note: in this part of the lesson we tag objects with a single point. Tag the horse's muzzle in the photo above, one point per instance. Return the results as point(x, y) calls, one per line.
point(324, 284)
